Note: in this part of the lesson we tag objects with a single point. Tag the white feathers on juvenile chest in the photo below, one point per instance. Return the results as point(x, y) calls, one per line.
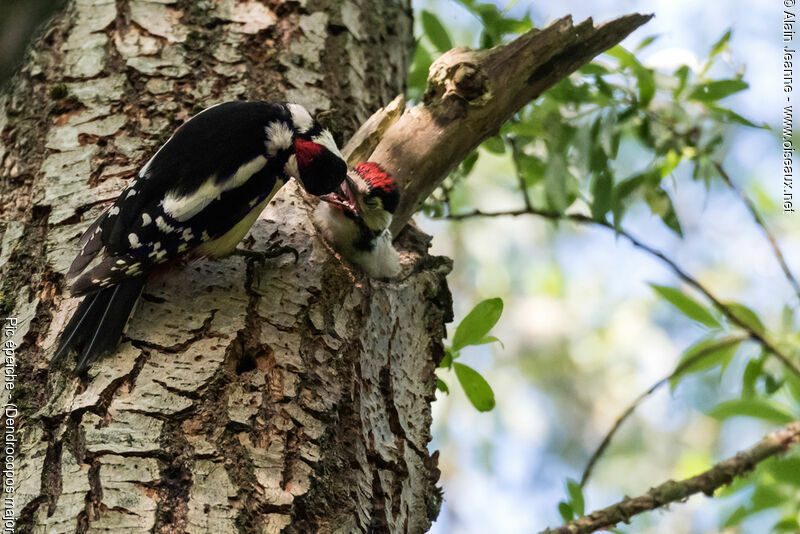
point(382, 261)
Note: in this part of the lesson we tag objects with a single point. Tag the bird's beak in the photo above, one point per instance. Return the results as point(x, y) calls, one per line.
point(344, 197)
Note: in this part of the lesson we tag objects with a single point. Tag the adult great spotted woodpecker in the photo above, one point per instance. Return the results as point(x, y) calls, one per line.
point(356, 220)
point(197, 196)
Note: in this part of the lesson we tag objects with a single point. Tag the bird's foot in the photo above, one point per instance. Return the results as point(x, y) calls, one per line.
point(259, 258)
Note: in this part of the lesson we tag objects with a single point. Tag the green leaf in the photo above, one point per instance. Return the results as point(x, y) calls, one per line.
point(477, 389)
point(566, 511)
point(607, 134)
point(441, 385)
point(435, 31)
point(720, 45)
point(730, 116)
point(495, 145)
point(489, 339)
point(647, 84)
point(754, 407)
point(671, 161)
point(752, 371)
point(661, 204)
point(787, 524)
point(747, 316)
point(474, 327)
point(645, 78)
point(447, 361)
point(736, 517)
point(688, 306)
point(555, 181)
point(786, 469)
point(705, 354)
point(575, 496)
point(594, 69)
point(418, 74)
point(469, 162)
point(716, 90)
point(647, 41)
point(793, 386)
point(682, 75)
point(602, 187)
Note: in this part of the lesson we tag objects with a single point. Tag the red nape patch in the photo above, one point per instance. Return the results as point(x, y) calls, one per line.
point(376, 177)
point(306, 152)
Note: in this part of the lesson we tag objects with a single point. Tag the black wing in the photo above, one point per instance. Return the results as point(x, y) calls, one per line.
point(189, 173)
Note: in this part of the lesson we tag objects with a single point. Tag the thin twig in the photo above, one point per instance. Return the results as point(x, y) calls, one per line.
point(708, 482)
point(706, 351)
point(683, 275)
point(751, 207)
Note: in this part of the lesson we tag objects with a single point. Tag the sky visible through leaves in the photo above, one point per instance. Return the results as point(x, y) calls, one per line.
point(589, 322)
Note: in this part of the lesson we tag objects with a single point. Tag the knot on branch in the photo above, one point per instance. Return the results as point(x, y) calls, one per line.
point(458, 76)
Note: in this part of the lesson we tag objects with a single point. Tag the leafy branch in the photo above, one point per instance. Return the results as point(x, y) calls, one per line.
point(754, 332)
point(693, 360)
point(669, 492)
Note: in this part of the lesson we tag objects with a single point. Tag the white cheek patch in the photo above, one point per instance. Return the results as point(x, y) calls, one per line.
point(300, 118)
point(361, 186)
point(326, 139)
point(279, 137)
point(183, 208)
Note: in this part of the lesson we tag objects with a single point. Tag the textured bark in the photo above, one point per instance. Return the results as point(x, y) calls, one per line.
point(287, 396)
point(471, 93)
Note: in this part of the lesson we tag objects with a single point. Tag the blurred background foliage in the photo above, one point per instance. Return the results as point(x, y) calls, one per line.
point(659, 139)
point(671, 139)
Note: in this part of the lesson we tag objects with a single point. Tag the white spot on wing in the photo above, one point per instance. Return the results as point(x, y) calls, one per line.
point(185, 207)
point(113, 210)
point(146, 219)
point(279, 137)
point(300, 117)
point(163, 225)
point(133, 239)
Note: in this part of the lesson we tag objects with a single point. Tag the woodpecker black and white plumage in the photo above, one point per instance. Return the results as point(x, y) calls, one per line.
point(197, 196)
point(356, 219)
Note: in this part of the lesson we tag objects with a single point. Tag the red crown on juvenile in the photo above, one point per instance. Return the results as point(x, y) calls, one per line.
point(381, 184)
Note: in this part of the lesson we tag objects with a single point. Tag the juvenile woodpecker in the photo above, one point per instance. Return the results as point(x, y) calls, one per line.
point(356, 220)
point(197, 196)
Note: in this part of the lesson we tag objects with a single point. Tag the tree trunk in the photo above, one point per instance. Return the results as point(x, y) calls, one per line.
point(288, 396)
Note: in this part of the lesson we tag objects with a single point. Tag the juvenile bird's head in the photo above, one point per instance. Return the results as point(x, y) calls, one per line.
point(368, 193)
point(355, 220)
point(316, 162)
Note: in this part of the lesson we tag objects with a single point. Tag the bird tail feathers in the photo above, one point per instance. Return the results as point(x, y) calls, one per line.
point(97, 324)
